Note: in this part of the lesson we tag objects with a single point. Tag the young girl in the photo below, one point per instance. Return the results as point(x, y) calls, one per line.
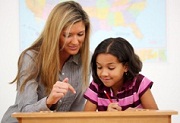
point(117, 84)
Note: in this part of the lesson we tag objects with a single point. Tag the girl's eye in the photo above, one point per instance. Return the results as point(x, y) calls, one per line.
point(99, 67)
point(111, 68)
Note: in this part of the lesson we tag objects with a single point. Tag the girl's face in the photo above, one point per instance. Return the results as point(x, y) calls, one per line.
point(110, 71)
point(72, 38)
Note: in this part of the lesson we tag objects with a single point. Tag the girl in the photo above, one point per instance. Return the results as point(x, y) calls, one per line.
point(117, 84)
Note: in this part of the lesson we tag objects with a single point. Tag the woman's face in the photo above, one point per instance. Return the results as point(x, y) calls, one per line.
point(72, 38)
point(109, 70)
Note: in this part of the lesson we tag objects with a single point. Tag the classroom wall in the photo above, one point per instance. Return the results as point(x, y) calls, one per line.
point(166, 76)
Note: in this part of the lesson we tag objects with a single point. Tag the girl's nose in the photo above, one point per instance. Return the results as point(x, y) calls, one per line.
point(104, 72)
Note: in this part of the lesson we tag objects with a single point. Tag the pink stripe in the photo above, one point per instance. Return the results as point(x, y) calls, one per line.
point(104, 102)
point(128, 100)
point(145, 82)
point(92, 93)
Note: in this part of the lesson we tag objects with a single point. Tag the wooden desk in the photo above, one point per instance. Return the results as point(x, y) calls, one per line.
point(96, 117)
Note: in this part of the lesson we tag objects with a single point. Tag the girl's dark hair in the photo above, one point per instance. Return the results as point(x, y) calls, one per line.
point(123, 50)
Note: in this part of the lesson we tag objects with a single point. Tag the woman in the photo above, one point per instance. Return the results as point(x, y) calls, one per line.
point(53, 72)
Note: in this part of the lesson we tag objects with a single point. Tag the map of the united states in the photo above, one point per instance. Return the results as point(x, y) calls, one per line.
point(142, 22)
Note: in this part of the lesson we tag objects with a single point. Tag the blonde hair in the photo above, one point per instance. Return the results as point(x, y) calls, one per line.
point(47, 59)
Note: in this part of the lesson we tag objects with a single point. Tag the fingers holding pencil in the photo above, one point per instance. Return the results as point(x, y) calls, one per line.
point(112, 106)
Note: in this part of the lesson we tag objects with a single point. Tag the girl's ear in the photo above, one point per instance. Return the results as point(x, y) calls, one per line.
point(126, 67)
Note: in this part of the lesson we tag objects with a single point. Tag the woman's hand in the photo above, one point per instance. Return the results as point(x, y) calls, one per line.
point(58, 91)
point(114, 107)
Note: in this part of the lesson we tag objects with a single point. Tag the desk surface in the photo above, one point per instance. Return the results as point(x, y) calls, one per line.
point(92, 114)
point(147, 116)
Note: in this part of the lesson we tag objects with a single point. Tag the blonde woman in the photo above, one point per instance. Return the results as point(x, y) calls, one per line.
point(54, 70)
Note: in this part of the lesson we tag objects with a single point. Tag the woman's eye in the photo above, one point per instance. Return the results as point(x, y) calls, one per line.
point(80, 34)
point(66, 35)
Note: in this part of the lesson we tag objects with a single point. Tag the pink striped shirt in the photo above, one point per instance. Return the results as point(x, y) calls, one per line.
point(128, 96)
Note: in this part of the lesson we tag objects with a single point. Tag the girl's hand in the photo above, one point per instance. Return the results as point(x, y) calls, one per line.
point(114, 107)
point(58, 91)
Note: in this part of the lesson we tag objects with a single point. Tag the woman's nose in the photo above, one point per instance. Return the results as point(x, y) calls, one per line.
point(75, 40)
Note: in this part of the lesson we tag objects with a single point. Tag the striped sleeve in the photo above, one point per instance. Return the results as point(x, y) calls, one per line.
point(144, 86)
point(91, 93)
